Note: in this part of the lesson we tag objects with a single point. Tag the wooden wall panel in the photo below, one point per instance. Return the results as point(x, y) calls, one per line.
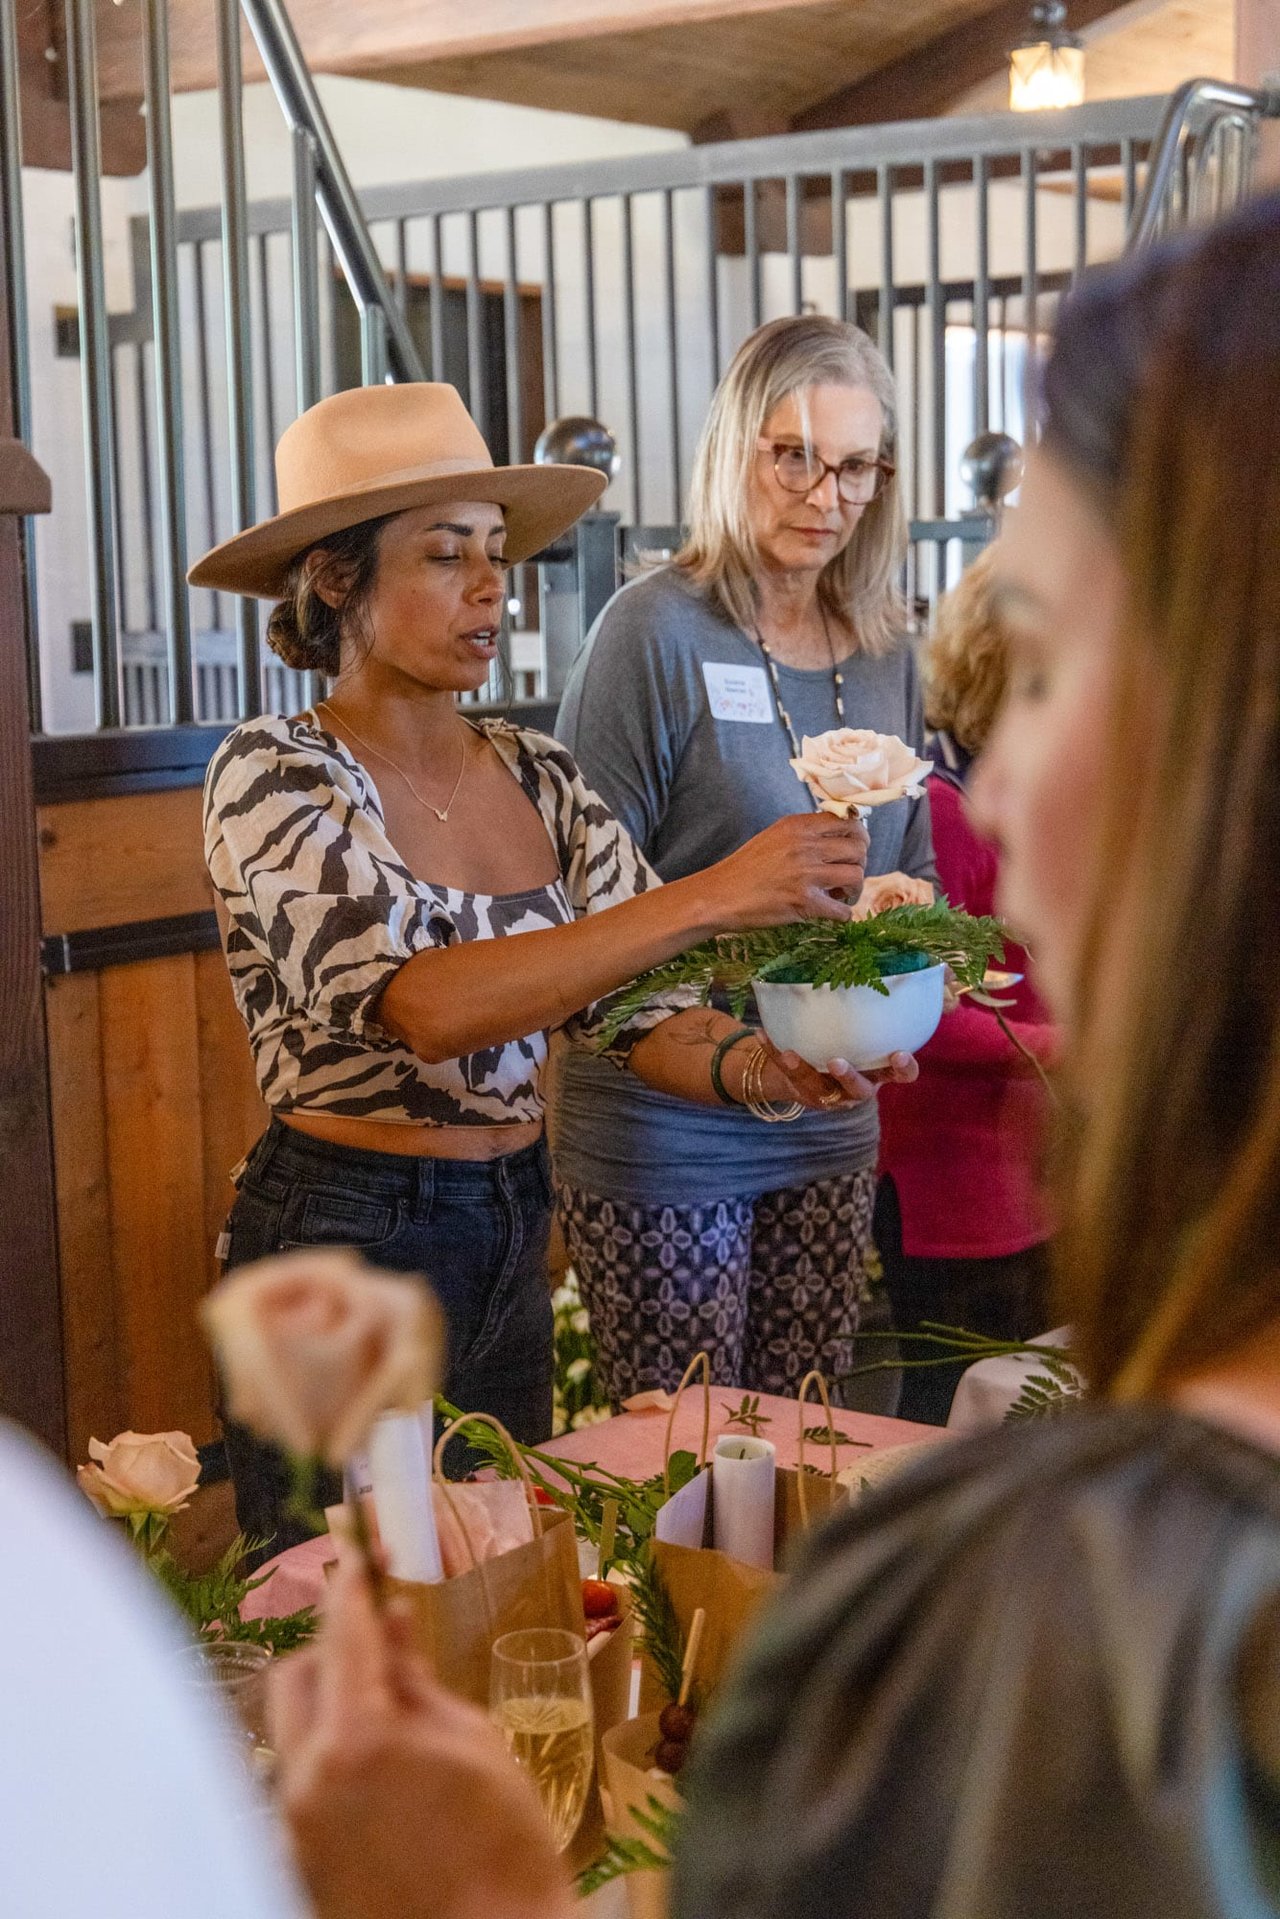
point(96, 1388)
point(111, 862)
point(155, 1160)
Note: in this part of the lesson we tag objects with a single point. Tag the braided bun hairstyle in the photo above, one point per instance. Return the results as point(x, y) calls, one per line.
point(303, 628)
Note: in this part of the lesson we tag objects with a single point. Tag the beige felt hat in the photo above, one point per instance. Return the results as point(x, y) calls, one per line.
point(384, 449)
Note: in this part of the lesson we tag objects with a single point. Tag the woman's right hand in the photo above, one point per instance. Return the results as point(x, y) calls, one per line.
point(808, 866)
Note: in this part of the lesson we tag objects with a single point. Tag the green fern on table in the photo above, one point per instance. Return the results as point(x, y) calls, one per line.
point(211, 1600)
point(623, 1856)
point(820, 953)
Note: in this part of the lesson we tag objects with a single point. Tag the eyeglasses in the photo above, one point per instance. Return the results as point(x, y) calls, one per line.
point(799, 470)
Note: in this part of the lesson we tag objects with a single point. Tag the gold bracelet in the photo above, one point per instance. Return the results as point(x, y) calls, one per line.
point(753, 1093)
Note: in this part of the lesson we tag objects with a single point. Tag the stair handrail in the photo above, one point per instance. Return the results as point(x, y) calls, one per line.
point(294, 88)
point(1226, 103)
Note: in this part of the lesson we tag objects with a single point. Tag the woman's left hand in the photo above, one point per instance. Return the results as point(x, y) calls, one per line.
point(788, 1077)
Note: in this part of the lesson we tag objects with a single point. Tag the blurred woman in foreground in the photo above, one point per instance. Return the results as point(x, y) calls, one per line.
point(1041, 1675)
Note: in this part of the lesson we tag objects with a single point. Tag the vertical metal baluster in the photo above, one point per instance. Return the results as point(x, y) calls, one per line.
point(752, 247)
point(840, 243)
point(373, 346)
point(475, 328)
point(306, 271)
point(166, 333)
point(117, 510)
point(1129, 179)
point(1030, 293)
point(402, 266)
point(19, 339)
point(437, 297)
point(86, 153)
point(550, 342)
point(793, 243)
point(917, 450)
point(235, 280)
point(201, 319)
point(511, 348)
point(982, 298)
point(146, 513)
point(1081, 178)
point(589, 298)
point(334, 287)
point(629, 354)
point(673, 363)
point(270, 413)
point(713, 282)
point(885, 186)
point(937, 341)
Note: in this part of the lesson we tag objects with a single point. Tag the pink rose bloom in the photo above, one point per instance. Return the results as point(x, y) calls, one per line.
point(885, 890)
point(854, 767)
point(140, 1473)
point(314, 1345)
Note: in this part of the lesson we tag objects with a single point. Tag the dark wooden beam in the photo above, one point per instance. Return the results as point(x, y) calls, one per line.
point(930, 79)
point(32, 1387)
point(46, 115)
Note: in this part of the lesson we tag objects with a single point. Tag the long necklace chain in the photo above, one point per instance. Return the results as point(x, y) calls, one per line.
point(837, 679)
point(441, 813)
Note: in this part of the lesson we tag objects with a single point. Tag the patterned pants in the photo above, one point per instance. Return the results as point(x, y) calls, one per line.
point(769, 1286)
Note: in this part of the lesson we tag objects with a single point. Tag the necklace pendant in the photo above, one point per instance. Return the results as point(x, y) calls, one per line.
point(442, 817)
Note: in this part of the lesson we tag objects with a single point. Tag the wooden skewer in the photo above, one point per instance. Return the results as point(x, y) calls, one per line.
point(608, 1530)
point(691, 1651)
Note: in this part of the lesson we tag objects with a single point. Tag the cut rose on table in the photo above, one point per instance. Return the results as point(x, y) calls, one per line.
point(141, 1474)
point(853, 767)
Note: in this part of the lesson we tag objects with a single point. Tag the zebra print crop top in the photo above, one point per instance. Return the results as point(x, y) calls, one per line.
point(319, 912)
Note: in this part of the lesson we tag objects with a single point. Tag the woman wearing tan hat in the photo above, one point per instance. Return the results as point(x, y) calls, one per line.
point(372, 858)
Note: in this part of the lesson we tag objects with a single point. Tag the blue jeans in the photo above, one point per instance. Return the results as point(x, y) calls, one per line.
point(476, 1228)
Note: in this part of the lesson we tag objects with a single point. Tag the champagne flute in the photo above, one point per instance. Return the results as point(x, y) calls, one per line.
point(540, 1698)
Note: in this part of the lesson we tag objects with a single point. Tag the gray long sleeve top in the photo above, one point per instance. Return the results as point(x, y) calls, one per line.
point(670, 715)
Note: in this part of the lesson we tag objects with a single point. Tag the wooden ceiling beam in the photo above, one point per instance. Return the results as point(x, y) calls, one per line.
point(367, 38)
point(46, 115)
point(930, 79)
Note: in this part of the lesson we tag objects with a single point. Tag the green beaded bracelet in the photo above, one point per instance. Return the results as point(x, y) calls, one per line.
point(717, 1060)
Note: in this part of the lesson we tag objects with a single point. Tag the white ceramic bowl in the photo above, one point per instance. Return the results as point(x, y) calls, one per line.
point(853, 1023)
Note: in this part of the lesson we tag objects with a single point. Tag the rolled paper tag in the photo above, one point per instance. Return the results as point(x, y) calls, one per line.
point(400, 1477)
point(744, 1472)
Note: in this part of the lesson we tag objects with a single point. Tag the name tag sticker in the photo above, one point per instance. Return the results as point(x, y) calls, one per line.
point(738, 693)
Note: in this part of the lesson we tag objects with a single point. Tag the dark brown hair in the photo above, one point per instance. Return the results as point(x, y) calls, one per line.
point(303, 628)
point(1162, 398)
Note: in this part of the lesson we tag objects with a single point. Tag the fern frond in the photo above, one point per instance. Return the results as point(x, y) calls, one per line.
point(819, 953)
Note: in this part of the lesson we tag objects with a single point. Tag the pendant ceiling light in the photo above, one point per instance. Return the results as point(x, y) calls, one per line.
point(1047, 68)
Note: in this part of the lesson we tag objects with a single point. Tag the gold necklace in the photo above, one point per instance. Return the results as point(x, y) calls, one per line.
point(441, 813)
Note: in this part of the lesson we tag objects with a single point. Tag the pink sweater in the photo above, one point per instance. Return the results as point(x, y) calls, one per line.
point(963, 1143)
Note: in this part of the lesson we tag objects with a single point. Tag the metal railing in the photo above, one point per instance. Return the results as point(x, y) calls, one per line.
point(617, 289)
point(620, 289)
point(1203, 157)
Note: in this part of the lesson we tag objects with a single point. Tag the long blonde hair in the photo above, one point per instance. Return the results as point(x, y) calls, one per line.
point(1162, 398)
point(860, 587)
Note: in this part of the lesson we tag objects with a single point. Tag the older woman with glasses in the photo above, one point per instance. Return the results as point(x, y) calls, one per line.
point(779, 617)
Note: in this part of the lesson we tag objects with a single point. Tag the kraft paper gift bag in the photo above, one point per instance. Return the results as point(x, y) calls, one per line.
point(630, 1781)
point(535, 1583)
point(696, 1573)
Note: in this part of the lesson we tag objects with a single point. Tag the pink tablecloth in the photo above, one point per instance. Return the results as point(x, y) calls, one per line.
point(632, 1445)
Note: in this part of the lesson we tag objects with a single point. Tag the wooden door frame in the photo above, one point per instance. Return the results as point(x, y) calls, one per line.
point(32, 1384)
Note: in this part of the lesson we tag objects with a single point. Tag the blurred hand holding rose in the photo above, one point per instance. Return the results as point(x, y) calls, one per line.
point(314, 1345)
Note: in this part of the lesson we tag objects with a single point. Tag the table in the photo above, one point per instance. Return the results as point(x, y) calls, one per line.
point(630, 1444)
